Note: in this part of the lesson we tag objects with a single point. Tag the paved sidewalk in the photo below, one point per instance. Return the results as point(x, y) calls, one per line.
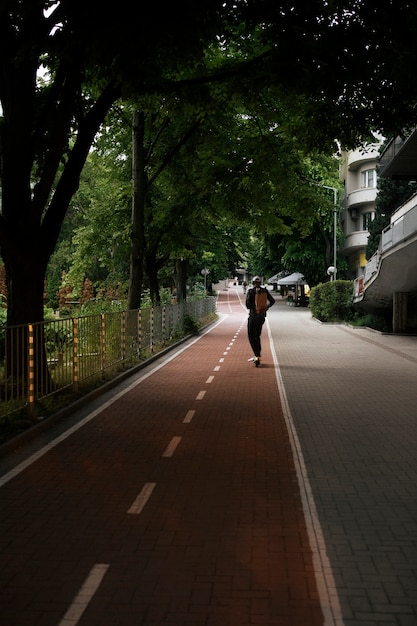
point(207, 492)
point(352, 399)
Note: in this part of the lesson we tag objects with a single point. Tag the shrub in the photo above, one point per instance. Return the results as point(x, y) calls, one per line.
point(191, 325)
point(97, 306)
point(371, 320)
point(332, 301)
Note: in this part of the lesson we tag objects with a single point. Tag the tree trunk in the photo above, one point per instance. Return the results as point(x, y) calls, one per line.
point(25, 288)
point(137, 253)
point(25, 306)
point(180, 277)
point(152, 273)
point(153, 264)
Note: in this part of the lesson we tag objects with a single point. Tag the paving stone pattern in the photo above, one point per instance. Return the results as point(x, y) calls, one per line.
point(353, 399)
point(175, 502)
point(204, 491)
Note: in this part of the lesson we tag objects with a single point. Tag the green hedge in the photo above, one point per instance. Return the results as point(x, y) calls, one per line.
point(332, 301)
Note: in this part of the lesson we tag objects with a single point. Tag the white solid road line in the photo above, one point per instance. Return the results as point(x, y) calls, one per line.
point(40, 453)
point(326, 585)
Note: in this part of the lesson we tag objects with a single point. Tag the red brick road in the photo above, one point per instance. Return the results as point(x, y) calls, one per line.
point(178, 504)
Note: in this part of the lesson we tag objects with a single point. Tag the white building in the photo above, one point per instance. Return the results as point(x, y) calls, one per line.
point(358, 173)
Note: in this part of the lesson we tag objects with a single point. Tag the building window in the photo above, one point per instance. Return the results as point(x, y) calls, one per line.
point(369, 178)
point(367, 218)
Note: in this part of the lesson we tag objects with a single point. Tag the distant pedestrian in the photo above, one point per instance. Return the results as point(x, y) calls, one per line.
point(258, 301)
point(244, 285)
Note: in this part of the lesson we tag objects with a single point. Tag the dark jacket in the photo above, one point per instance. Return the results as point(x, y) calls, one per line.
point(250, 299)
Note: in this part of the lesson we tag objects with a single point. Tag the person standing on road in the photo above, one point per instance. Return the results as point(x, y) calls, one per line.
point(258, 301)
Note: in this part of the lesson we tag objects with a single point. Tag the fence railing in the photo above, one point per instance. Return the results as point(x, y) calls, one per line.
point(40, 360)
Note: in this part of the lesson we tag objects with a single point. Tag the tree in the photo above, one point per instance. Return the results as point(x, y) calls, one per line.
point(351, 58)
point(145, 174)
point(246, 168)
point(94, 57)
point(100, 241)
point(48, 127)
point(91, 56)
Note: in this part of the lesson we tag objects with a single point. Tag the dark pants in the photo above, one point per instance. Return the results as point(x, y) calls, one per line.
point(255, 323)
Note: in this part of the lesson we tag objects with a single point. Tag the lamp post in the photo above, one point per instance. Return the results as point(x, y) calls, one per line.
point(334, 228)
point(205, 272)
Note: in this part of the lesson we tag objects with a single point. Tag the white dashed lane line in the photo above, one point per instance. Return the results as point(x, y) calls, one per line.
point(189, 416)
point(85, 594)
point(142, 499)
point(171, 447)
point(97, 573)
point(146, 492)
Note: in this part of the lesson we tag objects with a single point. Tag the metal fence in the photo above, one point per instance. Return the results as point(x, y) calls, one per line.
point(40, 360)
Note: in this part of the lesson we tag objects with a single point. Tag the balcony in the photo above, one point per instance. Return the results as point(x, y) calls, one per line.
point(360, 156)
point(355, 240)
point(403, 225)
point(393, 267)
point(364, 195)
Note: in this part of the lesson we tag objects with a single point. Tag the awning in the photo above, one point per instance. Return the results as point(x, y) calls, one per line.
point(293, 279)
point(273, 279)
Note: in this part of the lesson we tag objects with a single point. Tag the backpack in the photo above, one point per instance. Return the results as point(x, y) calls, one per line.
point(261, 302)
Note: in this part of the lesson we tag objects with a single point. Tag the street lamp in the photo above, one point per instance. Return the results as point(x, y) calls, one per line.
point(205, 272)
point(333, 269)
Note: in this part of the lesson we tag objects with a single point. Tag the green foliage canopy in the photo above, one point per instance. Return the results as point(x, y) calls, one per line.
point(349, 60)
